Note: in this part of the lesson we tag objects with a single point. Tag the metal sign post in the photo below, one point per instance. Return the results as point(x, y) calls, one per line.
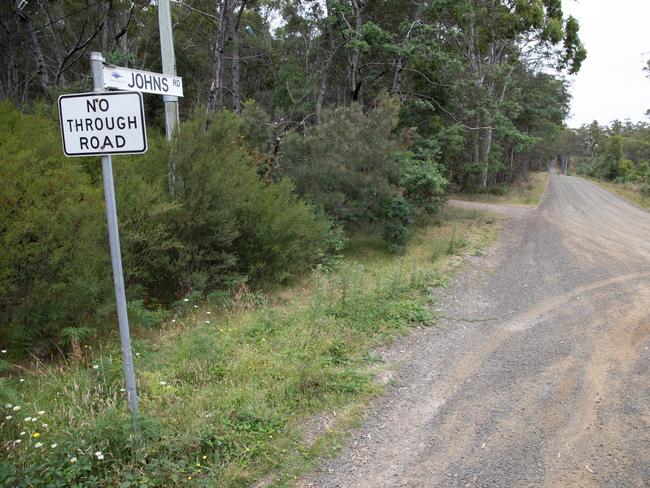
point(96, 62)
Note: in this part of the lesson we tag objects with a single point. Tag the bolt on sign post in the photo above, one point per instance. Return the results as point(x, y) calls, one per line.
point(106, 123)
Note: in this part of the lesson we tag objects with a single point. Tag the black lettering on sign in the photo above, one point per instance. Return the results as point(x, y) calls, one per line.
point(132, 83)
point(92, 105)
point(94, 142)
point(156, 83)
point(107, 143)
point(120, 141)
point(165, 85)
point(83, 142)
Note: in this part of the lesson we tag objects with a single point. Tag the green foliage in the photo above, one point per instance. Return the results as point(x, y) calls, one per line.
point(233, 224)
point(422, 179)
point(349, 163)
point(54, 271)
point(225, 227)
point(150, 245)
point(645, 189)
point(396, 213)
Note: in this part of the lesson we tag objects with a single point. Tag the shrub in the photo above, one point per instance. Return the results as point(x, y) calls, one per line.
point(234, 225)
point(225, 227)
point(423, 182)
point(55, 270)
point(645, 188)
point(348, 163)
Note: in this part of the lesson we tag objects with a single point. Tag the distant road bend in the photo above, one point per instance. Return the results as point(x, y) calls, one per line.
point(539, 375)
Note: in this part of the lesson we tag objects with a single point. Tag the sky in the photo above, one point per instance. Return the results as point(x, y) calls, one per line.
point(611, 83)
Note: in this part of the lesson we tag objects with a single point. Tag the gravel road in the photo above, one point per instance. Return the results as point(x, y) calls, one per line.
point(539, 374)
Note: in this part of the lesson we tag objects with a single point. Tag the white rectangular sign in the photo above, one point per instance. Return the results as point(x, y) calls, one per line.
point(102, 123)
point(142, 81)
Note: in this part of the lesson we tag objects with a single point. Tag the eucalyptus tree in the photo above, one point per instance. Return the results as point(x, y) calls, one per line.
point(494, 37)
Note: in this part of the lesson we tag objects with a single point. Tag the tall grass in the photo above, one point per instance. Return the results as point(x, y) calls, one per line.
point(227, 388)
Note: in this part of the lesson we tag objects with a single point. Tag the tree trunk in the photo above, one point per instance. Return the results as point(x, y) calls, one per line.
point(355, 86)
point(322, 91)
point(37, 51)
point(487, 144)
point(106, 26)
point(236, 73)
point(57, 44)
point(401, 62)
point(236, 60)
point(215, 99)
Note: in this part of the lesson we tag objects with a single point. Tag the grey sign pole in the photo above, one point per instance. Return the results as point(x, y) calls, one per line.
point(96, 63)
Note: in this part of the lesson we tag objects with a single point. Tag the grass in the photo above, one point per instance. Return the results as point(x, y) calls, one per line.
point(629, 191)
point(527, 191)
point(230, 388)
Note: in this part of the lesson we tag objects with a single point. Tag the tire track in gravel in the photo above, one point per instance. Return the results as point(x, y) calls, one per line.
point(538, 375)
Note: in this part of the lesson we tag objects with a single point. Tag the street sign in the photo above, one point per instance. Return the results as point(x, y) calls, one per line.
point(142, 81)
point(102, 123)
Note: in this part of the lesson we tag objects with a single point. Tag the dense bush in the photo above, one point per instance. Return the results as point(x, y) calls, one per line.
point(234, 225)
point(54, 271)
point(354, 166)
point(347, 164)
point(422, 179)
point(225, 226)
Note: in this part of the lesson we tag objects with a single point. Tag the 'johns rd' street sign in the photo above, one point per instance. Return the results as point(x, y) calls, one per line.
point(143, 81)
point(102, 123)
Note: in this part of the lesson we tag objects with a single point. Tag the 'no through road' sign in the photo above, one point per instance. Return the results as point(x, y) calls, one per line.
point(102, 123)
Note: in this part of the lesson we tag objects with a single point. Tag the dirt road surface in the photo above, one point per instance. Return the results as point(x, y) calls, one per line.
point(539, 374)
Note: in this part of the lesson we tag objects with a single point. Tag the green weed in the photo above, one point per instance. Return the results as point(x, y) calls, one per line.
point(228, 385)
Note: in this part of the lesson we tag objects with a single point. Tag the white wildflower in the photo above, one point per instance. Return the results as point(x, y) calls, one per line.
point(186, 300)
point(18, 441)
point(54, 445)
point(73, 459)
point(22, 380)
point(96, 366)
point(163, 383)
point(28, 419)
point(23, 433)
point(38, 444)
point(4, 351)
point(16, 408)
point(41, 412)
point(44, 426)
point(8, 417)
point(99, 455)
point(8, 405)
